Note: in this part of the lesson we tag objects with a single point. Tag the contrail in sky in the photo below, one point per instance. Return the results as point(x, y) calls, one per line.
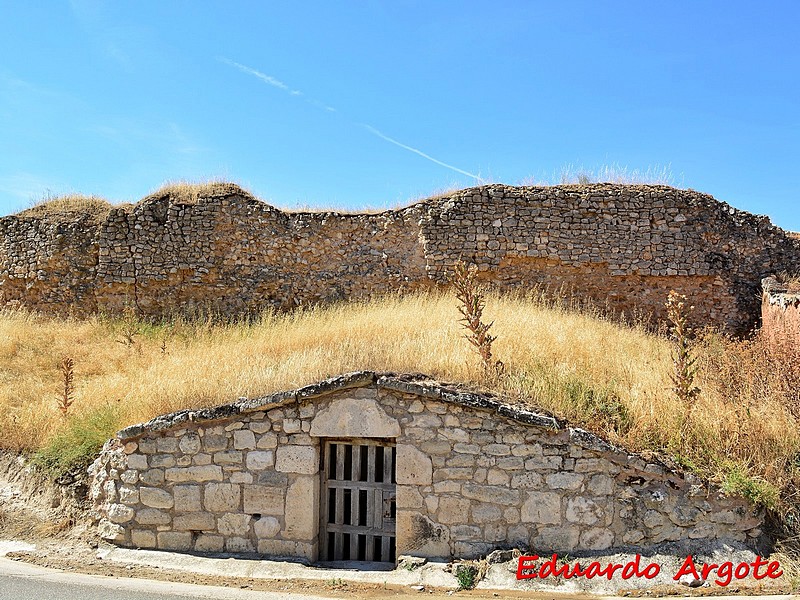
point(277, 83)
point(262, 76)
point(374, 131)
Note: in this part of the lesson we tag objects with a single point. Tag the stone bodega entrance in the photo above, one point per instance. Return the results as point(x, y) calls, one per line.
point(358, 504)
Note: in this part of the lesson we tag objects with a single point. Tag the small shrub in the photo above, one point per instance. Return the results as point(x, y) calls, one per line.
point(467, 576)
point(471, 296)
point(65, 400)
point(683, 362)
point(756, 489)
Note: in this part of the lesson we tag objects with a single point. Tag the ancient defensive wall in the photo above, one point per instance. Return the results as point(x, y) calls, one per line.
point(621, 246)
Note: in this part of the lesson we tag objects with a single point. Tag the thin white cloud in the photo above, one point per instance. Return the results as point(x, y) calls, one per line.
point(383, 136)
point(282, 86)
point(262, 76)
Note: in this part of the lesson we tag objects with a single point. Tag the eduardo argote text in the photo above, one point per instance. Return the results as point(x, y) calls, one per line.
point(723, 573)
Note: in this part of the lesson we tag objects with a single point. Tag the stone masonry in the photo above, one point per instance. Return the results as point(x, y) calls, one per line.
point(473, 473)
point(620, 246)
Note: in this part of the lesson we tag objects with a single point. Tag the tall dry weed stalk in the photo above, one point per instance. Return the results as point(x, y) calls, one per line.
point(471, 297)
point(65, 400)
point(683, 361)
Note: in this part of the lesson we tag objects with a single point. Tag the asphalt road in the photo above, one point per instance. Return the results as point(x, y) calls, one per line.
point(21, 581)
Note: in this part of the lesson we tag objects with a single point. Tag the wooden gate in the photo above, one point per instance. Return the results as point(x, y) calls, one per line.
point(358, 503)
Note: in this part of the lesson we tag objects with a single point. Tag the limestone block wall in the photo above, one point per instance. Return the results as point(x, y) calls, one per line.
point(621, 246)
point(472, 472)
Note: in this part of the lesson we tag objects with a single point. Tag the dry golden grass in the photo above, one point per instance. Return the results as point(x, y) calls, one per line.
point(68, 206)
point(609, 377)
point(189, 192)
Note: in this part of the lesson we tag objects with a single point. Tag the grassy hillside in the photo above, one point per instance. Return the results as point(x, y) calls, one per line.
point(611, 378)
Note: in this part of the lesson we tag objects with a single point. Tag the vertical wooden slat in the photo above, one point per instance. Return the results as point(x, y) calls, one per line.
point(339, 462)
point(388, 465)
point(356, 463)
point(377, 501)
point(370, 549)
point(371, 464)
point(385, 543)
point(337, 546)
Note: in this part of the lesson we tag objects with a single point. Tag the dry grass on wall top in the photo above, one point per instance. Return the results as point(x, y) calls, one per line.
point(68, 206)
point(611, 378)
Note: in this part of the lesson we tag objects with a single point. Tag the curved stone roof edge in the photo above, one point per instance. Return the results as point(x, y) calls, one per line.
point(409, 383)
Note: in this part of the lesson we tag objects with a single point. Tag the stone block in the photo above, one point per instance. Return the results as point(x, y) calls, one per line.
point(187, 498)
point(596, 538)
point(263, 499)
point(297, 459)
point(241, 477)
point(600, 485)
point(147, 446)
point(452, 510)
point(194, 521)
point(526, 480)
point(491, 493)
point(128, 494)
point(137, 462)
point(190, 443)
point(497, 477)
point(565, 481)
point(266, 527)
point(112, 532)
point(244, 439)
point(167, 445)
point(234, 524)
point(542, 508)
point(152, 477)
point(354, 417)
point(556, 539)
point(286, 548)
point(156, 497)
point(259, 460)
point(119, 513)
point(413, 467)
point(222, 497)
point(408, 497)
point(239, 545)
point(209, 543)
point(162, 460)
point(497, 449)
point(291, 425)
point(228, 457)
point(152, 516)
point(215, 443)
point(175, 540)
point(259, 426)
point(302, 513)
point(486, 513)
point(197, 474)
point(466, 448)
point(583, 510)
point(143, 538)
point(267, 441)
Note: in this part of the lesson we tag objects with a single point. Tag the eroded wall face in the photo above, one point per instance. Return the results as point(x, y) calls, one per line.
point(468, 481)
point(622, 247)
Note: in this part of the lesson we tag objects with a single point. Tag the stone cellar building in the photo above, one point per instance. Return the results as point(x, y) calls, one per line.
point(369, 466)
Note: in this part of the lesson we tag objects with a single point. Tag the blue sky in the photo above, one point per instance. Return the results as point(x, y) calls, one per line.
point(370, 104)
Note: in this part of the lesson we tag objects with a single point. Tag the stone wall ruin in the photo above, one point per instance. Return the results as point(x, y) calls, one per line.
point(621, 246)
